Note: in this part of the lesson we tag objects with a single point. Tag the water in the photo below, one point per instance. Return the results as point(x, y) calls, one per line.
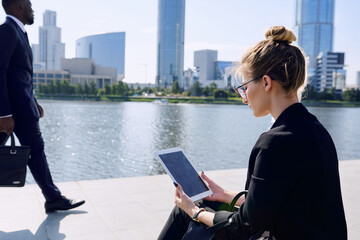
point(96, 140)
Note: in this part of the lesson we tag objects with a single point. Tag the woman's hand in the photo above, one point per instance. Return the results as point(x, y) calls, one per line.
point(183, 201)
point(218, 192)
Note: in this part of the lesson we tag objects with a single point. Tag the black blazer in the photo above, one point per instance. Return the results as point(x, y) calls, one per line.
point(293, 182)
point(16, 72)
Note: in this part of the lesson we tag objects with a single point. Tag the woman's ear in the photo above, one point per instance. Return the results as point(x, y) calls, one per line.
point(267, 83)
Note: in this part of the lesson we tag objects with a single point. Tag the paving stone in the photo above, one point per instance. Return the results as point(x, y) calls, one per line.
point(128, 208)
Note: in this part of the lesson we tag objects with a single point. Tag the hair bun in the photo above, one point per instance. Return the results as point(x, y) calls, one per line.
point(281, 34)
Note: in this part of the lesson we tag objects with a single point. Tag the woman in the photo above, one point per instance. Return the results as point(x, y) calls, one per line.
point(293, 180)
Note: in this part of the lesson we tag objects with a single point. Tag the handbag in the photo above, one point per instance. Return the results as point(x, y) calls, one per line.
point(199, 231)
point(13, 163)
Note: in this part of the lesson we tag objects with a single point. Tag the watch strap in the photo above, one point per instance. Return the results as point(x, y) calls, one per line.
point(195, 217)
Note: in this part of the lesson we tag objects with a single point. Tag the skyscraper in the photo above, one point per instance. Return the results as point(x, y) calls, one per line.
point(170, 43)
point(51, 49)
point(314, 25)
point(107, 49)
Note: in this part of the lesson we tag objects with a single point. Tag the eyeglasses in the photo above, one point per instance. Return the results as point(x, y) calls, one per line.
point(240, 89)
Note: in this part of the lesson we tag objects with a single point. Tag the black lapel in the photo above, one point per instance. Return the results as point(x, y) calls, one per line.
point(22, 36)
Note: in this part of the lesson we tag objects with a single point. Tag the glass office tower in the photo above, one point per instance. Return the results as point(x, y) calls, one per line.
point(170, 42)
point(314, 25)
point(108, 50)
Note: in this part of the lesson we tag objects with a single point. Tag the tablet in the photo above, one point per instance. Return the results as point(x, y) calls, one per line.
point(181, 171)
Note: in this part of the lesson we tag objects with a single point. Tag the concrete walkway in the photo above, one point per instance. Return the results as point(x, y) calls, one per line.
point(128, 208)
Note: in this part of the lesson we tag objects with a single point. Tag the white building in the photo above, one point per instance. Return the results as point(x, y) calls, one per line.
point(329, 72)
point(204, 62)
point(358, 80)
point(85, 70)
point(46, 77)
point(210, 70)
point(190, 77)
point(51, 50)
point(76, 71)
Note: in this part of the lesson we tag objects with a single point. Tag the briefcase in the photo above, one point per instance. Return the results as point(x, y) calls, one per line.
point(13, 162)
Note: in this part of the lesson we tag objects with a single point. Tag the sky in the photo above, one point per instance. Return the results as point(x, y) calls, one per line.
point(229, 26)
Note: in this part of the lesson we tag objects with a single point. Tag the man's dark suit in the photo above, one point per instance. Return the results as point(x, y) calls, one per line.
point(17, 99)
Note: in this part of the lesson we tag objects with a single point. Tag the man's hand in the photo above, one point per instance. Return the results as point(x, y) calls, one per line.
point(7, 125)
point(41, 110)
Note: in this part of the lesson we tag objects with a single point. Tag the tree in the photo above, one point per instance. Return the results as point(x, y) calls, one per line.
point(40, 88)
point(310, 93)
point(79, 89)
point(107, 90)
point(52, 88)
point(114, 89)
point(212, 87)
point(66, 88)
point(326, 95)
point(220, 93)
point(127, 89)
point(351, 95)
point(175, 88)
point(138, 90)
point(93, 88)
point(121, 88)
point(206, 91)
point(231, 92)
point(102, 92)
point(196, 89)
point(86, 89)
point(57, 86)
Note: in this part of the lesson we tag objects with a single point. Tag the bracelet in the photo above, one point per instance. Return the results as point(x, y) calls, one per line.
point(195, 217)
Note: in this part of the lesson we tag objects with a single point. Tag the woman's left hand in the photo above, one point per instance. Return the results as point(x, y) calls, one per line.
point(184, 202)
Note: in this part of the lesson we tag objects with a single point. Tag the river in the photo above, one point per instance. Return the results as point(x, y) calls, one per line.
point(96, 140)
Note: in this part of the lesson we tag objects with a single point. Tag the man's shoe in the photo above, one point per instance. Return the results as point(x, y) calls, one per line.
point(62, 204)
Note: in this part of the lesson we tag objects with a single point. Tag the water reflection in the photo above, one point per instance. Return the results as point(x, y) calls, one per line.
point(168, 131)
point(94, 140)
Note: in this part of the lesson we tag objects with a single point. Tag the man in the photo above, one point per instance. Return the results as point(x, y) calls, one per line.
point(19, 110)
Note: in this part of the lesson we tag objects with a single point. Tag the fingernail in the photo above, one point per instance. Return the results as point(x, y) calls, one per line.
point(202, 171)
point(175, 184)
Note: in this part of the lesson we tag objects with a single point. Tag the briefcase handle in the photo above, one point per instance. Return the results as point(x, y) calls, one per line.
point(13, 147)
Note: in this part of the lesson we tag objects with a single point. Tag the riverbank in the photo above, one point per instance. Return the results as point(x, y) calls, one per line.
point(196, 100)
point(128, 208)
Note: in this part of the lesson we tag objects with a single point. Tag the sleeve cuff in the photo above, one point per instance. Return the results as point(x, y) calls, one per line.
point(221, 216)
point(6, 116)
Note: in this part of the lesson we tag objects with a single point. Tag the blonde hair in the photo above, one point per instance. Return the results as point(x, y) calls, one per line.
point(277, 58)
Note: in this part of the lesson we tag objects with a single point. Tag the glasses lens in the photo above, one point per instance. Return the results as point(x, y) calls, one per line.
point(241, 92)
point(236, 81)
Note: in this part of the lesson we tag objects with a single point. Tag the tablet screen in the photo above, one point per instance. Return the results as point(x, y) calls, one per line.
point(183, 172)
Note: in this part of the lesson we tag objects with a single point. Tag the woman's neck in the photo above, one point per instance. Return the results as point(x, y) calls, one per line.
point(279, 104)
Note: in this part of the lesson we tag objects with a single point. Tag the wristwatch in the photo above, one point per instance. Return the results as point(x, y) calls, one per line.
point(195, 217)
